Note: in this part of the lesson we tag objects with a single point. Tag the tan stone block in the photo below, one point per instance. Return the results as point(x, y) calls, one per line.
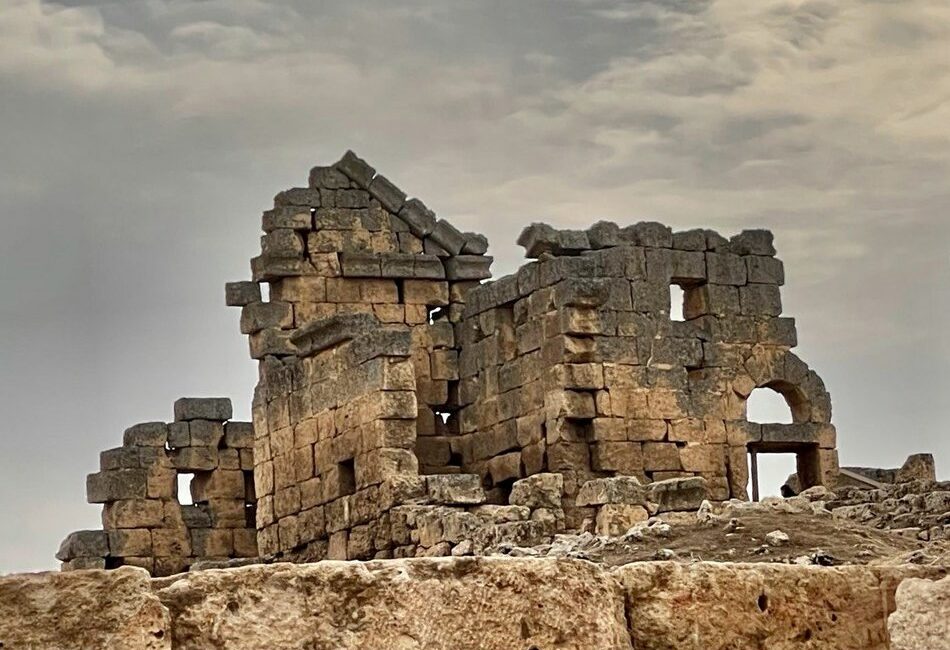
point(133, 513)
point(532, 457)
point(307, 288)
point(162, 483)
point(306, 312)
point(387, 313)
point(609, 429)
point(667, 404)
point(229, 459)
point(245, 542)
point(586, 376)
point(285, 474)
point(212, 542)
point(325, 264)
point(303, 463)
point(379, 291)
point(703, 458)
point(417, 314)
point(359, 543)
point(227, 513)
point(288, 532)
point(338, 544)
point(715, 431)
point(174, 543)
point(171, 565)
point(130, 542)
point(194, 459)
point(639, 430)
point(505, 467)
point(615, 519)
point(425, 292)
point(343, 290)
point(147, 563)
point(623, 457)
point(265, 511)
point(311, 524)
point(264, 478)
point(287, 501)
point(569, 404)
point(219, 484)
point(661, 456)
point(444, 364)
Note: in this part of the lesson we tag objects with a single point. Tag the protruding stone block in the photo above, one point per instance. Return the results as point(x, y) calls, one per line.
point(203, 408)
point(390, 197)
point(538, 491)
point(618, 490)
point(455, 489)
point(238, 294)
point(83, 544)
point(356, 169)
point(146, 434)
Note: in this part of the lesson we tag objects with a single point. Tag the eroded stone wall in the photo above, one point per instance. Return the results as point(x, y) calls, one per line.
point(144, 522)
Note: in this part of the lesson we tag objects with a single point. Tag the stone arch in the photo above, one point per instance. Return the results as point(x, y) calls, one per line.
point(785, 373)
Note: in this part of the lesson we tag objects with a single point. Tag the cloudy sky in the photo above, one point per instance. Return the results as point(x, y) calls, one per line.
point(140, 140)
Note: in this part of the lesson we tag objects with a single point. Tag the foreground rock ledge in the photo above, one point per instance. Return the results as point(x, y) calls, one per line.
point(457, 603)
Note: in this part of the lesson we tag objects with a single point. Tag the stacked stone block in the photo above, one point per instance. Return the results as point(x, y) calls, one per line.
point(353, 243)
point(144, 523)
point(573, 364)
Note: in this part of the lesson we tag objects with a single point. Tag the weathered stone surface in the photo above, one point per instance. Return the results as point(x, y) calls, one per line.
point(538, 491)
point(83, 543)
point(677, 494)
point(449, 603)
point(619, 489)
point(203, 408)
point(455, 489)
point(922, 618)
point(238, 294)
point(82, 609)
point(710, 606)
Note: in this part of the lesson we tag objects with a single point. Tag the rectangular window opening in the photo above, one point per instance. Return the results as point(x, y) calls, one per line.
point(677, 302)
point(184, 489)
point(347, 471)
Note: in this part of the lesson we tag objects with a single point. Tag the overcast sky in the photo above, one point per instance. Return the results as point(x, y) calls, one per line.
point(139, 142)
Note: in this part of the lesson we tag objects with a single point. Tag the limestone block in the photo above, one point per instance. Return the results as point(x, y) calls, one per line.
point(426, 292)
point(83, 544)
point(117, 484)
point(86, 609)
point(146, 434)
point(133, 513)
point(455, 489)
point(288, 216)
point(356, 169)
point(268, 269)
point(171, 542)
point(448, 237)
point(603, 234)
point(760, 300)
point(219, 484)
point(130, 543)
point(616, 490)
point(624, 457)
point(690, 240)
point(922, 617)
point(419, 219)
point(726, 269)
point(765, 270)
point(203, 408)
point(298, 196)
point(389, 196)
point(569, 404)
point(760, 605)
point(538, 491)
point(466, 267)
point(239, 435)
point(648, 233)
point(328, 177)
point(505, 467)
point(212, 542)
point(282, 243)
point(703, 458)
point(661, 456)
point(238, 294)
point(677, 494)
point(194, 459)
point(615, 519)
point(753, 242)
point(438, 604)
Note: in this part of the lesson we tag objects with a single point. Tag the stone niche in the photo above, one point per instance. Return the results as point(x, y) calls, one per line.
point(145, 521)
point(388, 361)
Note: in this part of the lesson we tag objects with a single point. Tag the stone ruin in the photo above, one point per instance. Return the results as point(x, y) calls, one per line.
point(406, 405)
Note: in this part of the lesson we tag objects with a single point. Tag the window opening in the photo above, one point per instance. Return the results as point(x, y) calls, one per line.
point(677, 302)
point(184, 489)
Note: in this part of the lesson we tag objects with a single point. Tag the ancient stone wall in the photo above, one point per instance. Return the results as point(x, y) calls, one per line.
point(144, 522)
point(574, 365)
